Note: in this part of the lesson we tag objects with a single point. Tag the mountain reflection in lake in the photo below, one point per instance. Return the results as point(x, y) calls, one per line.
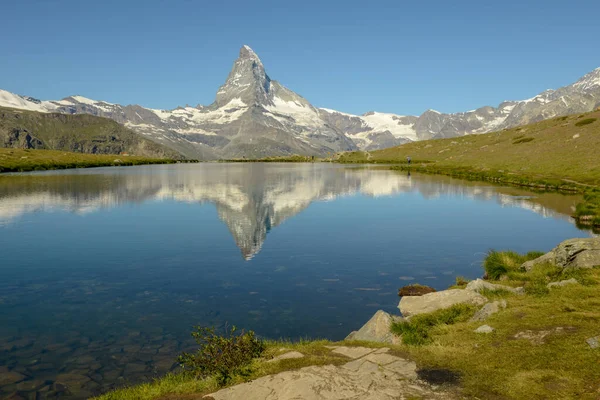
point(105, 271)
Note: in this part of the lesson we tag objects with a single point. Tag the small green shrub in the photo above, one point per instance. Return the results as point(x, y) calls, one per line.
point(586, 121)
point(523, 140)
point(418, 330)
point(222, 356)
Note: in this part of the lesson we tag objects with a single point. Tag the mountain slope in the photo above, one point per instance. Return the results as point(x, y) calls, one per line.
point(74, 133)
point(563, 149)
point(254, 116)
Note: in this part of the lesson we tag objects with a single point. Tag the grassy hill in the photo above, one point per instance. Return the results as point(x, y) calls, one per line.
point(562, 149)
point(74, 133)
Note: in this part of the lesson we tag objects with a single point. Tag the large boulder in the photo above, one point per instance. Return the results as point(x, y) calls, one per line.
point(413, 305)
point(377, 329)
point(572, 253)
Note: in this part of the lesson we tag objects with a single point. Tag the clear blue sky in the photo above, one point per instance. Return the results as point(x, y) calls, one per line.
point(353, 56)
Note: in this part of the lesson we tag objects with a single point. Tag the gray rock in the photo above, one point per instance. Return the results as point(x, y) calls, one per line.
point(484, 329)
point(413, 305)
point(489, 309)
point(377, 329)
point(367, 377)
point(478, 285)
point(572, 253)
point(594, 342)
point(571, 281)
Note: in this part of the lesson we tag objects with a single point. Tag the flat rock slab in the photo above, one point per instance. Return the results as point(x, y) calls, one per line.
point(413, 305)
point(287, 356)
point(372, 377)
point(353, 352)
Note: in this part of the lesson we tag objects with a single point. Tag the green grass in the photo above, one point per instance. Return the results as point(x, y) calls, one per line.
point(22, 160)
point(501, 366)
point(419, 329)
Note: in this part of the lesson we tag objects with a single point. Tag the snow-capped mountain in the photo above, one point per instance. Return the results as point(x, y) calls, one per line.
point(377, 130)
point(254, 116)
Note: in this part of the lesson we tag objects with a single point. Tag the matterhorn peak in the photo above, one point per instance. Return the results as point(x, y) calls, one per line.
point(247, 52)
point(247, 81)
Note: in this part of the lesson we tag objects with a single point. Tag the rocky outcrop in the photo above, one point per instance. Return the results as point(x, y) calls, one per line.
point(414, 305)
point(572, 253)
point(377, 329)
point(479, 285)
point(370, 375)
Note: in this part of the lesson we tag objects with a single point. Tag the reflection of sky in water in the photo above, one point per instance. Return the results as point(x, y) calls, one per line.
point(142, 254)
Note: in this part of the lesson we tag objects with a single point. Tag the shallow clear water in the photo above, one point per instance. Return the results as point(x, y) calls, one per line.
point(105, 271)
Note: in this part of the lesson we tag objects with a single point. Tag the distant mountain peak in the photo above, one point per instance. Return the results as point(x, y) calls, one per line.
point(247, 81)
point(247, 52)
point(589, 80)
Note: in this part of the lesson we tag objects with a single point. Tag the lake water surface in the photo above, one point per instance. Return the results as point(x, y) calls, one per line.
point(105, 271)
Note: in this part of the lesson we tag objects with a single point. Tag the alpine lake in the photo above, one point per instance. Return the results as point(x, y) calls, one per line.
point(105, 272)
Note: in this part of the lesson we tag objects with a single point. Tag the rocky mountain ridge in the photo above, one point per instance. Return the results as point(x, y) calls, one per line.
point(254, 116)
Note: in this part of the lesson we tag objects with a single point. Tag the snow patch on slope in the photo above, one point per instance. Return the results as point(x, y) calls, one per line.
point(382, 122)
point(11, 100)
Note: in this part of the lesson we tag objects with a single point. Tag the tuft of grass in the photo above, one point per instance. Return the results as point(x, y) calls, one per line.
point(586, 121)
point(418, 330)
point(499, 263)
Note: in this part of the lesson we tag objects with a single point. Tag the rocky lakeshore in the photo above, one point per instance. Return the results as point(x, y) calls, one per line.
point(419, 299)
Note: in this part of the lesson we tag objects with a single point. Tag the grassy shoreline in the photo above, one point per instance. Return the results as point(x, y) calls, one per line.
point(25, 160)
